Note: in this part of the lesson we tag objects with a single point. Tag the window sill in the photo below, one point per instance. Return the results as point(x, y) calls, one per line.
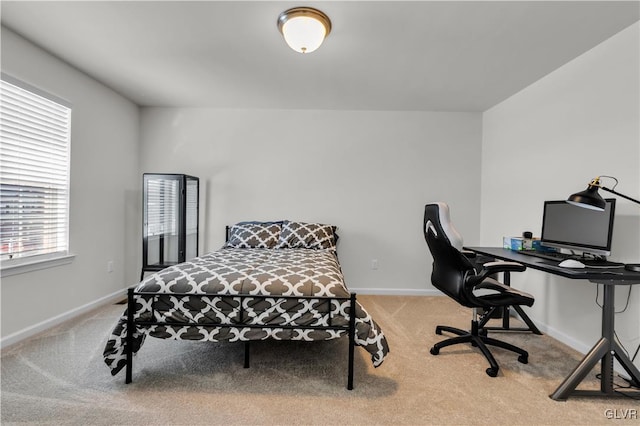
point(21, 266)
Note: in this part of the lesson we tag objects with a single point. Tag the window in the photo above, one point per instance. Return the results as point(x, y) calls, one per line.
point(34, 173)
point(163, 207)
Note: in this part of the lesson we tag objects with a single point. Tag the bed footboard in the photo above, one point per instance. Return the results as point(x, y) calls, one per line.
point(241, 323)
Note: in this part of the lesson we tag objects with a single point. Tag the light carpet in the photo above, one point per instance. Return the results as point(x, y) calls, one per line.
point(59, 377)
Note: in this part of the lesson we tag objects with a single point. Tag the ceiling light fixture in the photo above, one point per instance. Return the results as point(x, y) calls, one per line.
point(304, 28)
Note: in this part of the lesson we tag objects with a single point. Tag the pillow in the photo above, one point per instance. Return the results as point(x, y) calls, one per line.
point(307, 235)
point(253, 235)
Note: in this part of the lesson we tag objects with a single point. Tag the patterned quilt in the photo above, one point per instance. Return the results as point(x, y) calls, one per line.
point(232, 271)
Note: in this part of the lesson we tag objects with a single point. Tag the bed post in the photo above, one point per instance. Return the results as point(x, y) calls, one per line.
point(129, 339)
point(246, 354)
point(352, 339)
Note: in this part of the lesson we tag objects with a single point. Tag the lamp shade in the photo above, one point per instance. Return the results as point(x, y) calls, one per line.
point(304, 28)
point(589, 199)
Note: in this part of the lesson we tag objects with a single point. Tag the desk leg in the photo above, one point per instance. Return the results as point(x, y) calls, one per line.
point(626, 363)
point(506, 326)
point(506, 279)
point(580, 372)
point(605, 351)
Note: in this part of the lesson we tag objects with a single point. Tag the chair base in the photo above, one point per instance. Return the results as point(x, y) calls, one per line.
point(479, 340)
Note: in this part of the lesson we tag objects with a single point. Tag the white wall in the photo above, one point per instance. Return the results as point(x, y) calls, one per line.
point(547, 142)
point(104, 199)
point(369, 173)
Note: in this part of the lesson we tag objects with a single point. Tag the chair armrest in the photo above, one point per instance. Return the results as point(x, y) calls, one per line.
point(483, 279)
point(501, 266)
point(468, 253)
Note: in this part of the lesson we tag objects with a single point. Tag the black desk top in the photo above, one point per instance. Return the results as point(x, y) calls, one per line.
point(617, 275)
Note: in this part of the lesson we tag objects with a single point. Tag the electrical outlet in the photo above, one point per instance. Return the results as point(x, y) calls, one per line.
point(110, 266)
point(374, 264)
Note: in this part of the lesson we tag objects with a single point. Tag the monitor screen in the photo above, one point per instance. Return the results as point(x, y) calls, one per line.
point(571, 227)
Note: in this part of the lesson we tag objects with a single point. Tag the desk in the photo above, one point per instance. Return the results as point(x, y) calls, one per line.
point(606, 348)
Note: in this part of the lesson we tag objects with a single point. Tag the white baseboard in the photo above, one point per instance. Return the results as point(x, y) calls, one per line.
point(564, 338)
point(573, 343)
point(396, 291)
point(25, 333)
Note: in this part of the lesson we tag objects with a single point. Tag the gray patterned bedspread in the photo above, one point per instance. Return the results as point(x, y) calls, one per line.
point(228, 272)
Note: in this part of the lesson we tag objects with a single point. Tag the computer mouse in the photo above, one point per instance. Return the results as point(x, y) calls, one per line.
point(571, 263)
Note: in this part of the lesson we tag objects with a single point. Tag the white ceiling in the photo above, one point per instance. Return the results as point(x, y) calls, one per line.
point(380, 55)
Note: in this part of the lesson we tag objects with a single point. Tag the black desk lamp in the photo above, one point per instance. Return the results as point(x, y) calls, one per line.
point(590, 199)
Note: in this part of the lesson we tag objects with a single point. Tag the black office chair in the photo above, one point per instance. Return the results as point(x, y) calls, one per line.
point(469, 285)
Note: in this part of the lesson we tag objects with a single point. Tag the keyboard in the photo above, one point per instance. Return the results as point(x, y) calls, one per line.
point(556, 257)
point(559, 257)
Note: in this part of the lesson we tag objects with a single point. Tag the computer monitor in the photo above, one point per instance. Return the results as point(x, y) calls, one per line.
point(567, 226)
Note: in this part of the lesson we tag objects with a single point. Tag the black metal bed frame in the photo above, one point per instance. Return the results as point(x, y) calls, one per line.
point(241, 323)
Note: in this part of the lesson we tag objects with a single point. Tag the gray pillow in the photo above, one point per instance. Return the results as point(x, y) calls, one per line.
point(254, 235)
point(307, 235)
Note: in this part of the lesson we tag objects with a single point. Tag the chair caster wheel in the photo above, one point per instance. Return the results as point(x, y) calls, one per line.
point(492, 372)
point(434, 351)
point(523, 359)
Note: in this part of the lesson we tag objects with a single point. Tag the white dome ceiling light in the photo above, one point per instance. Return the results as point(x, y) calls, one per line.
point(304, 28)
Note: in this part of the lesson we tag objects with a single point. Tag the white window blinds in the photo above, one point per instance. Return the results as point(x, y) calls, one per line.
point(163, 207)
point(34, 171)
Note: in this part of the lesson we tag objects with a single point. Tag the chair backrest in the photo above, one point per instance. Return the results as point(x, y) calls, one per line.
point(450, 266)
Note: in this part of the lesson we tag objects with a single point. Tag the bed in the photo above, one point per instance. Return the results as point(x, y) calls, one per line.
point(271, 280)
